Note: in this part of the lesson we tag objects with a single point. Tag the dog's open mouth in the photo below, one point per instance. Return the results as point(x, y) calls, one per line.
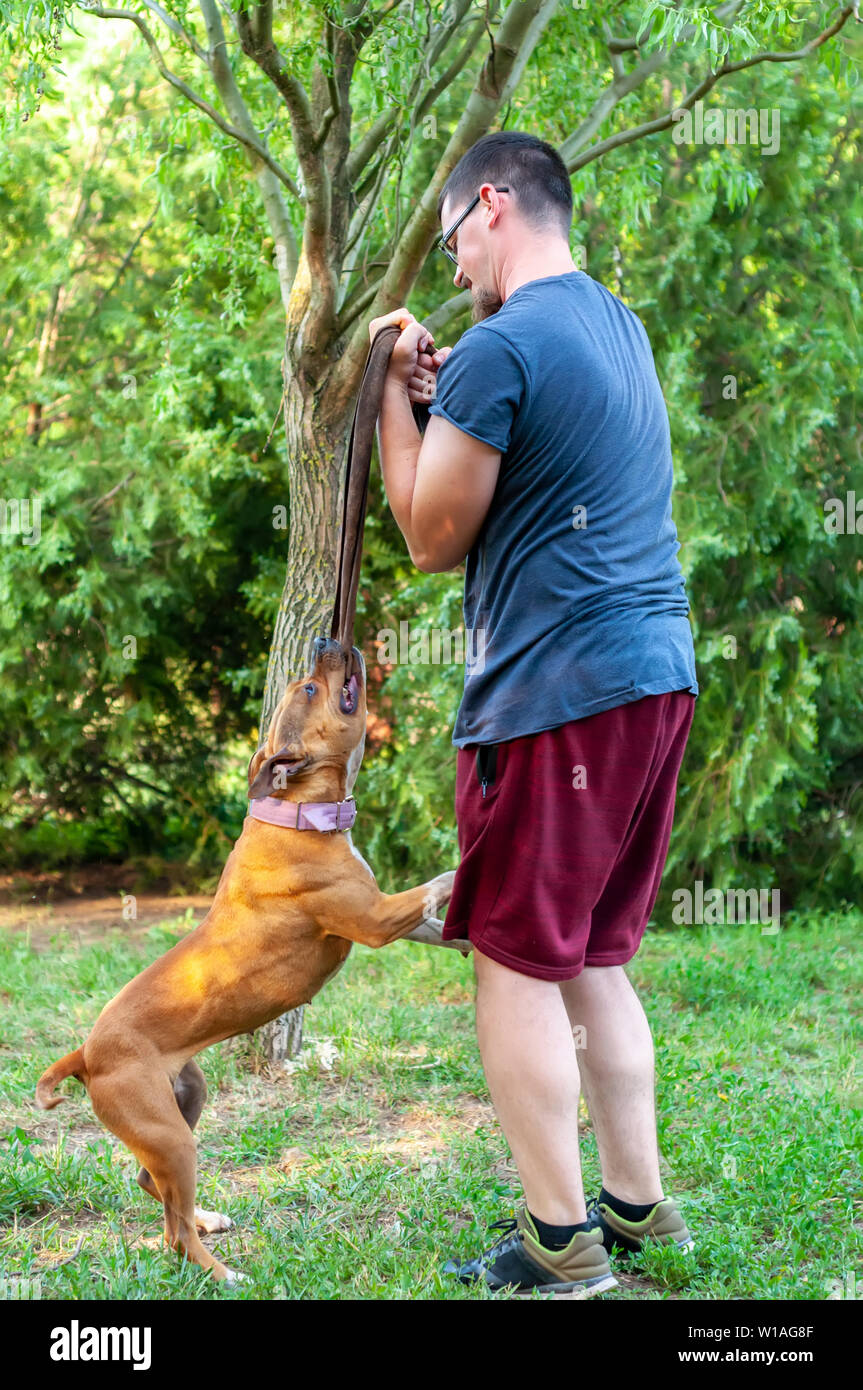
point(350, 697)
point(292, 765)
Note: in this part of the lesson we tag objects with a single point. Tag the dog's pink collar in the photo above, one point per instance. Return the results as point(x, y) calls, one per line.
point(305, 815)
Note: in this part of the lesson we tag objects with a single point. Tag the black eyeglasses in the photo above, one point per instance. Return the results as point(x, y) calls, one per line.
point(441, 242)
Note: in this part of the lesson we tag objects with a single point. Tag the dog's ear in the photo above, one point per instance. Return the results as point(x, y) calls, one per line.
point(255, 765)
point(267, 775)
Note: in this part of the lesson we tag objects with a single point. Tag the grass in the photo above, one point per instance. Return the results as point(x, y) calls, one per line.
point(358, 1172)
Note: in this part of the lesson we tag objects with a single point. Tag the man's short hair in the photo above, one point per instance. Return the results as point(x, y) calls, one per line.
point(533, 170)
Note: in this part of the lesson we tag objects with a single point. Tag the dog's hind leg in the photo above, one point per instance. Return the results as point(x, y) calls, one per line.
point(190, 1093)
point(139, 1106)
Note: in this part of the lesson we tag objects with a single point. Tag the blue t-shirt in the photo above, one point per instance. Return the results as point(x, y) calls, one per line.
point(574, 599)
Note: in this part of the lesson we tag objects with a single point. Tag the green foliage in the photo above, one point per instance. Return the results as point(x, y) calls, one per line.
point(133, 634)
point(753, 313)
point(361, 1170)
point(159, 373)
point(744, 268)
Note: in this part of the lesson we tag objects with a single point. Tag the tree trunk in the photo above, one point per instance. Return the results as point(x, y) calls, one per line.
point(273, 1043)
point(315, 451)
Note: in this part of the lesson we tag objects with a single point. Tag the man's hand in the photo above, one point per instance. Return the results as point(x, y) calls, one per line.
point(412, 365)
point(424, 381)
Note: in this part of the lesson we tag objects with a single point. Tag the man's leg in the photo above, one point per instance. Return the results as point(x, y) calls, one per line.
point(617, 1074)
point(529, 1058)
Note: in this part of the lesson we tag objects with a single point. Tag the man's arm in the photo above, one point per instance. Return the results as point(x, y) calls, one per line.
point(439, 485)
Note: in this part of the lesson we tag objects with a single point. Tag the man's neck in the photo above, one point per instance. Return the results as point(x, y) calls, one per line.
point(536, 268)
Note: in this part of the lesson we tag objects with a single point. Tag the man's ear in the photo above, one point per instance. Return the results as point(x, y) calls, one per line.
point(267, 775)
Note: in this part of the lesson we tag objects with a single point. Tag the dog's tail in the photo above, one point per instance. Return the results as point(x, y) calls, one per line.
point(70, 1065)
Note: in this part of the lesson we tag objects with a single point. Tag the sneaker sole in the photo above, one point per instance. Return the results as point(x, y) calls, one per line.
point(578, 1291)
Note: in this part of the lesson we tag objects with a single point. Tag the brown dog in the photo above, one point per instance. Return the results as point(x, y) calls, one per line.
point(289, 904)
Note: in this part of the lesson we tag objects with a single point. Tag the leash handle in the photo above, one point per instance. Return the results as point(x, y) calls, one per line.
point(356, 489)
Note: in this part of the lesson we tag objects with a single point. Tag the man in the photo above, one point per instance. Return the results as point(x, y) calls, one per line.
point(546, 463)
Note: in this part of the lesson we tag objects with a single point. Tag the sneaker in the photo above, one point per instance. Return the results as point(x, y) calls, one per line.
point(520, 1261)
point(664, 1225)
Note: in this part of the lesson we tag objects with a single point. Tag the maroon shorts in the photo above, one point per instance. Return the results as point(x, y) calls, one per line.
point(562, 857)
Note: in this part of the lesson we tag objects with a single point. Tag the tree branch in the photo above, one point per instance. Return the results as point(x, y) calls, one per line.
point(359, 300)
point(109, 290)
point(518, 33)
point(251, 143)
point(353, 302)
point(438, 40)
point(368, 203)
point(368, 143)
point(272, 63)
point(335, 105)
point(447, 77)
point(176, 28)
point(627, 137)
point(262, 22)
point(287, 251)
point(440, 317)
point(316, 178)
point(614, 52)
point(114, 490)
point(623, 84)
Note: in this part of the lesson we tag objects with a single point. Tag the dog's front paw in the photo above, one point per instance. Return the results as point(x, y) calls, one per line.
point(430, 933)
point(209, 1222)
point(439, 891)
point(458, 943)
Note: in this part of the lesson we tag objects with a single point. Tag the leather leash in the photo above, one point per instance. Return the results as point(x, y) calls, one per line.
point(356, 490)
